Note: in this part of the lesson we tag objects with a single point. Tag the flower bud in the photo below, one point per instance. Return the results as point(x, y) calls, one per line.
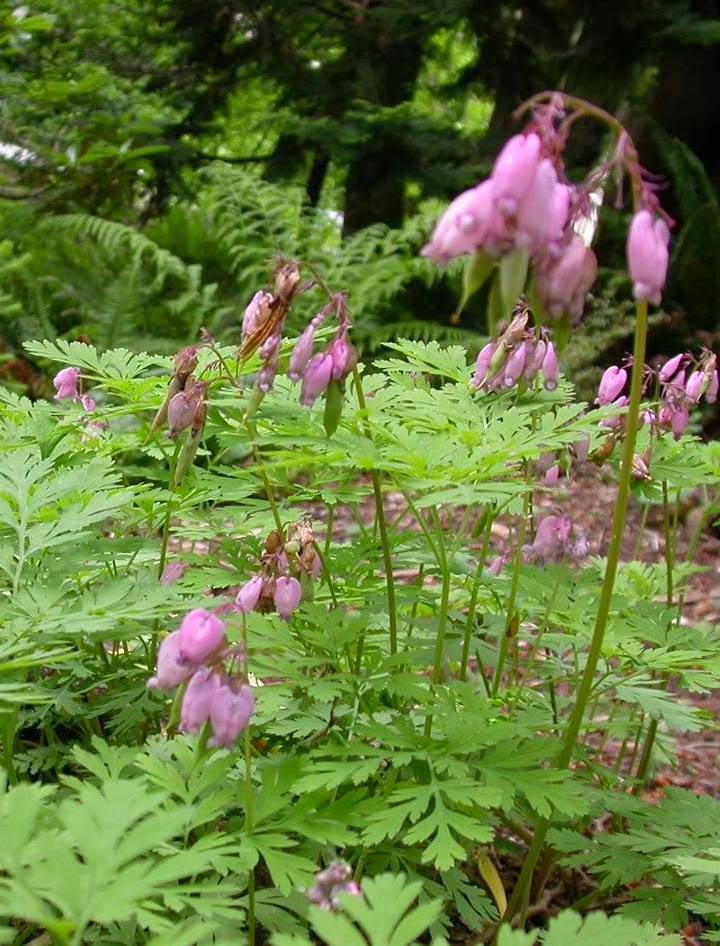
point(316, 379)
point(230, 713)
point(671, 368)
point(463, 225)
point(611, 385)
point(66, 382)
point(647, 255)
point(565, 281)
point(550, 367)
point(614, 421)
point(249, 595)
point(552, 539)
point(712, 390)
point(695, 386)
point(287, 280)
point(514, 366)
point(552, 477)
point(679, 420)
point(201, 633)
point(169, 672)
point(514, 171)
point(172, 572)
point(185, 363)
point(344, 357)
point(286, 596)
point(197, 700)
point(180, 412)
point(88, 403)
point(301, 354)
point(256, 313)
point(535, 207)
point(639, 469)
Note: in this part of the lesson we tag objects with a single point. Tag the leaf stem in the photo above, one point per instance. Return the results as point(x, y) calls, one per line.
point(381, 522)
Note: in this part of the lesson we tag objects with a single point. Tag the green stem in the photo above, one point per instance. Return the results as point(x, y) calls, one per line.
point(168, 512)
point(381, 522)
point(248, 801)
point(267, 485)
point(669, 538)
point(442, 622)
point(470, 620)
point(517, 562)
point(613, 558)
point(9, 728)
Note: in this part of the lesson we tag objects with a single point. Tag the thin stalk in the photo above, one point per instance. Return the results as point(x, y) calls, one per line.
point(641, 531)
point(414, 609)
point(470, 620)
point(248, 803)
point(9, 728)
point(613, 558)
point(168, 511)
point(669, 539)
point(381, 523)
point(329, 528)
point(442, 617)
point(517, 562)
point(267, 485)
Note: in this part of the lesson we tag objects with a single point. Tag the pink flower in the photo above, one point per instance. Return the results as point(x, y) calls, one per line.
point(201, 632)
point(66, 382)
point(230, 712)
point(169, 672)
point(564, 282)
point(249, 595)
point(301, 354)
point(613, 421)
point(611, 385)
point(197, 700)
point(344, 357)
point(695, 384)
point(552, 477)
point(712, 391)
point(514, 171)
point(647, 255)
point(515, 365)
point(550, 367)
point(287, 595)
point(671, 368)
point(535, 208)
point(88, 403)
point(482, 364)
point(317, 377)
point(330, 883)
point(463, 225)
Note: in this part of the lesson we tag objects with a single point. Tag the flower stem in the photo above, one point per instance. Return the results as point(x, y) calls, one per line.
point(613, 558)
point(381, 523)
point(470, 619)
point(248, 804)
point(509, 625)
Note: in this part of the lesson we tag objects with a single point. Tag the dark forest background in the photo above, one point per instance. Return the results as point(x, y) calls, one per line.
point(155, 155)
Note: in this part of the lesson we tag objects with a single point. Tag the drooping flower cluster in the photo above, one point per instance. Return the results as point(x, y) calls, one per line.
point(197, 652)
point(528, 209)
point(289, 564)
point(682, 383)
point(262, 327)
point(67, 388)
point(330, 883)
point(518, 355)
point(556, 538)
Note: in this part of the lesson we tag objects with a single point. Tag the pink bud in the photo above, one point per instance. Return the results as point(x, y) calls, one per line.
point(483, 363)
point(550, 367)
point(344, 357)
point(581, 448)
point(249, 595)
point(514, 171)
point(611, 384)
point(647, 255)
point(301, 354)
point(197, 700)
point(614, 421)
point(463, 225)
point(201, 632)
point(88, 403)
point(230, 713)
point(565, 281)
point(169, 672)
point(535, 356)
point(552, 477)
point(557, 216)
point(66, 382)
point(695, 385)
point(712, 391)
point(534, 209)
point(271, 354)
point(514, 366)
point(317, 377)
point(288, 593)
point(497, 565)
point(679, 420)
point(181, 412)
point(671, 367)
point(551, 540)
